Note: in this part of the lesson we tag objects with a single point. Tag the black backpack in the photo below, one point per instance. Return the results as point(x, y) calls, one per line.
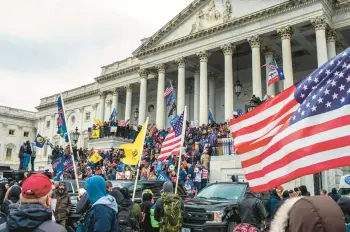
point(126, 220)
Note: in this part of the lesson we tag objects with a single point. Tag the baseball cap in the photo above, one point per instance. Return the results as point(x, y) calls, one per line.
point(36, 186)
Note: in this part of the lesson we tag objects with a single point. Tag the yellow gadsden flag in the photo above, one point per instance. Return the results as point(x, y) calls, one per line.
point(95, 158)
point(133, 150)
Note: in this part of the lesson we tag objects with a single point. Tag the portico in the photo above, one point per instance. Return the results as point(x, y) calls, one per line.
point(203, 52)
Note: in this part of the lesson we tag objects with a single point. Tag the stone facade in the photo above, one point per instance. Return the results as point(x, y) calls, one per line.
point(203, 51)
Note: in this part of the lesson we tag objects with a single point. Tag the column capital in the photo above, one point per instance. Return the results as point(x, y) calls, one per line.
point(195, 69)
point(128, 87)
point(228, 49)
point(53, 115)
point(254, 41)
point(181, 62)
point(94, 106)
point(285, 32)
point(115, 91)
point(102, 94)
point(339, 45)
point(143, 73)
point(161, 68)
point(331, 35)
point(319, 22)
point(81, 109)
point(203, 56)
point(267, 50)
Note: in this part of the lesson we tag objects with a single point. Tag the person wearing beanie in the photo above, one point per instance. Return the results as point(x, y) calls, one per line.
point(12, 197)
point(63, 204)
point(102, 216)
point(344, 204)
point(34, 212)
point(146, 205)
point(134, 208)
point(309, 214)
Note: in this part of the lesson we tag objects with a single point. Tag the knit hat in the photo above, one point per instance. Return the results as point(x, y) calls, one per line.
point(36, 186)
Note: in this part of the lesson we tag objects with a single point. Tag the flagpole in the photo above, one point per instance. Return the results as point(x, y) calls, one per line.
point(139, 164)
point(181, 148)
point(71, 148)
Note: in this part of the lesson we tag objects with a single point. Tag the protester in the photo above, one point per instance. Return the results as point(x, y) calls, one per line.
point(168, 209)
point(303, 191)
point(323, 192)
point(12, 197)
point(102, 216)
point(309, 214)
point(334, 194)
point(129, 216)
point(273, 202)
point(27, 152)
point(33, 156)
point(252, 211)
point(34, 212)
point(146, 205)
point(63, 204)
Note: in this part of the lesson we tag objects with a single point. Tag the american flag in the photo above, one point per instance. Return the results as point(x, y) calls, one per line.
point(168, 89)
point(303, 130)
point(172, 142)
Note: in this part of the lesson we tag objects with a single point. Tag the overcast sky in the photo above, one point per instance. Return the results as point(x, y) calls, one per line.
point(49, 46)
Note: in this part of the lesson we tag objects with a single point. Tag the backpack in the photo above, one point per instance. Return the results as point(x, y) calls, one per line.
point(126, 219)
point(172, 220)
point(154, 223)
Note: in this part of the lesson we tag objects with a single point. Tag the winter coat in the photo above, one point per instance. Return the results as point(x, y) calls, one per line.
point(63, 206)
point(146, 208)
point(135, 210)
point(12, 197)
point(251, 210)
point(205, 159)
point(31, 217)
point(309, 214)
point(272, 204)
point(334, 195)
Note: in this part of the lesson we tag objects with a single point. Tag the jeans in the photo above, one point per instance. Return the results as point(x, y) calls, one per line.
point(26, 160)
point(32, 159)
point(20, 163)
point(198, 186)
point(204, 183)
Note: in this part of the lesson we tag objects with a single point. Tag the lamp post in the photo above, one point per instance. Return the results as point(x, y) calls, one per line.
point(75, 136)
point(253, 103)
point(238, 88)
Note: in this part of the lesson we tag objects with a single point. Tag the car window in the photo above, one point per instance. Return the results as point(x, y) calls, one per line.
point(222, 192)
point(138, 187)
point(154, 187)
point(69, 187)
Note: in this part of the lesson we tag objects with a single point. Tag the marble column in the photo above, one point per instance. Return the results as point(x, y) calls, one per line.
point(81, 137)
point(254, 42)
point(94, 109)
point(331, 37)
point(109, 104)
point(115, 99)
point(268, 52)
point(181, 64)
point(319, 23)
point(339, 47)
point(128, 89)
point(143, 96)
point(228, 50)
point(102, 106)
point(196, 94)
point(212, 78)
point(203, 96)
point(160, 96)
point(286, 33)
point(53, 126)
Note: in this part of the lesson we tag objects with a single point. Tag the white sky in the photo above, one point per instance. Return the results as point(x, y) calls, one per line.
point(49, 46)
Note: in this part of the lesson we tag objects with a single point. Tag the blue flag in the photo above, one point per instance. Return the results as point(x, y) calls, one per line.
point(61, 121)
point(163, 177)
point(39, 141)
point(174, 120)
point(68, 163)
point(210, 117)
point(121, 167)
point(58, 167)
point(113, 115)
point(171, 98)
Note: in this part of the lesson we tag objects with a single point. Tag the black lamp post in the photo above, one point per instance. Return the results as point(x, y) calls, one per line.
point(253, 103)
point(238, 88)
point(75, 136)
point(136, 114)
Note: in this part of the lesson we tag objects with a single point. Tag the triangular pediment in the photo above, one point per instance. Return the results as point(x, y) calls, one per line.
point(203, 14)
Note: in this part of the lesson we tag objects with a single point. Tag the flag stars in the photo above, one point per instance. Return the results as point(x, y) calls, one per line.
point(316, 80)
point(320, 100)
point(326, 92)
point(308, 105)
point(294, 117)
point(335, 96)
point(328, 104)
point(314, 97)
point(344, 54)
point(309, 78)
point(341, 74)
point(348, 91)
point(302, 113)
point(305, 87)
point(341, 87)
point(329, 81)
point(331, 63)
point(299, 109)
point(348, 67)
point(313, 108)
point(342, 99)
point(344, 65)
point(302, 95)
point(321, 71)
point(336, 73)
point(313, 87)
point(339, 62)
point(328, 72)
point(333, 83)
point(348, 79)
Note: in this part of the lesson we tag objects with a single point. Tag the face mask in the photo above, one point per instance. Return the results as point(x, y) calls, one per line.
point(61, 191)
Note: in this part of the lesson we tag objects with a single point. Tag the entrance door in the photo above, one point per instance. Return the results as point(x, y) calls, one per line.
point(318, 183)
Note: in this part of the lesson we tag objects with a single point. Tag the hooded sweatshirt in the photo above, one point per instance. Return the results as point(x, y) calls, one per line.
point(12, 198)
point(102, 216)
point(309, 214)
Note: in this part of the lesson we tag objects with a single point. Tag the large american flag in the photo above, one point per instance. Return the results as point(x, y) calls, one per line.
point(303, 130)
point(172, 142)
point(169, 89)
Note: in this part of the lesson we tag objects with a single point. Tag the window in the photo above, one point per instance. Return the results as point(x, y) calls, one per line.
point(87, 116)
point(72, 120)
point(11, 132)
point(48, 123)
point(8, 153)
point(26, 134)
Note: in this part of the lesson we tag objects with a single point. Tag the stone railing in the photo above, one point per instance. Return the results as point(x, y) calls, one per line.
point(119, 65)
point(8, 111)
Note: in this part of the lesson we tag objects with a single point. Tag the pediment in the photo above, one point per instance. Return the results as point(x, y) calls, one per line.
point(203, 14)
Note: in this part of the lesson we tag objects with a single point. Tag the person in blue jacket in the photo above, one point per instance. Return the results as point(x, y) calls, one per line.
point(102, 216)
point(272, 203)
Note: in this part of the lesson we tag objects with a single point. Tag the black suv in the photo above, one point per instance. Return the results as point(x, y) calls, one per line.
point(214, 208)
